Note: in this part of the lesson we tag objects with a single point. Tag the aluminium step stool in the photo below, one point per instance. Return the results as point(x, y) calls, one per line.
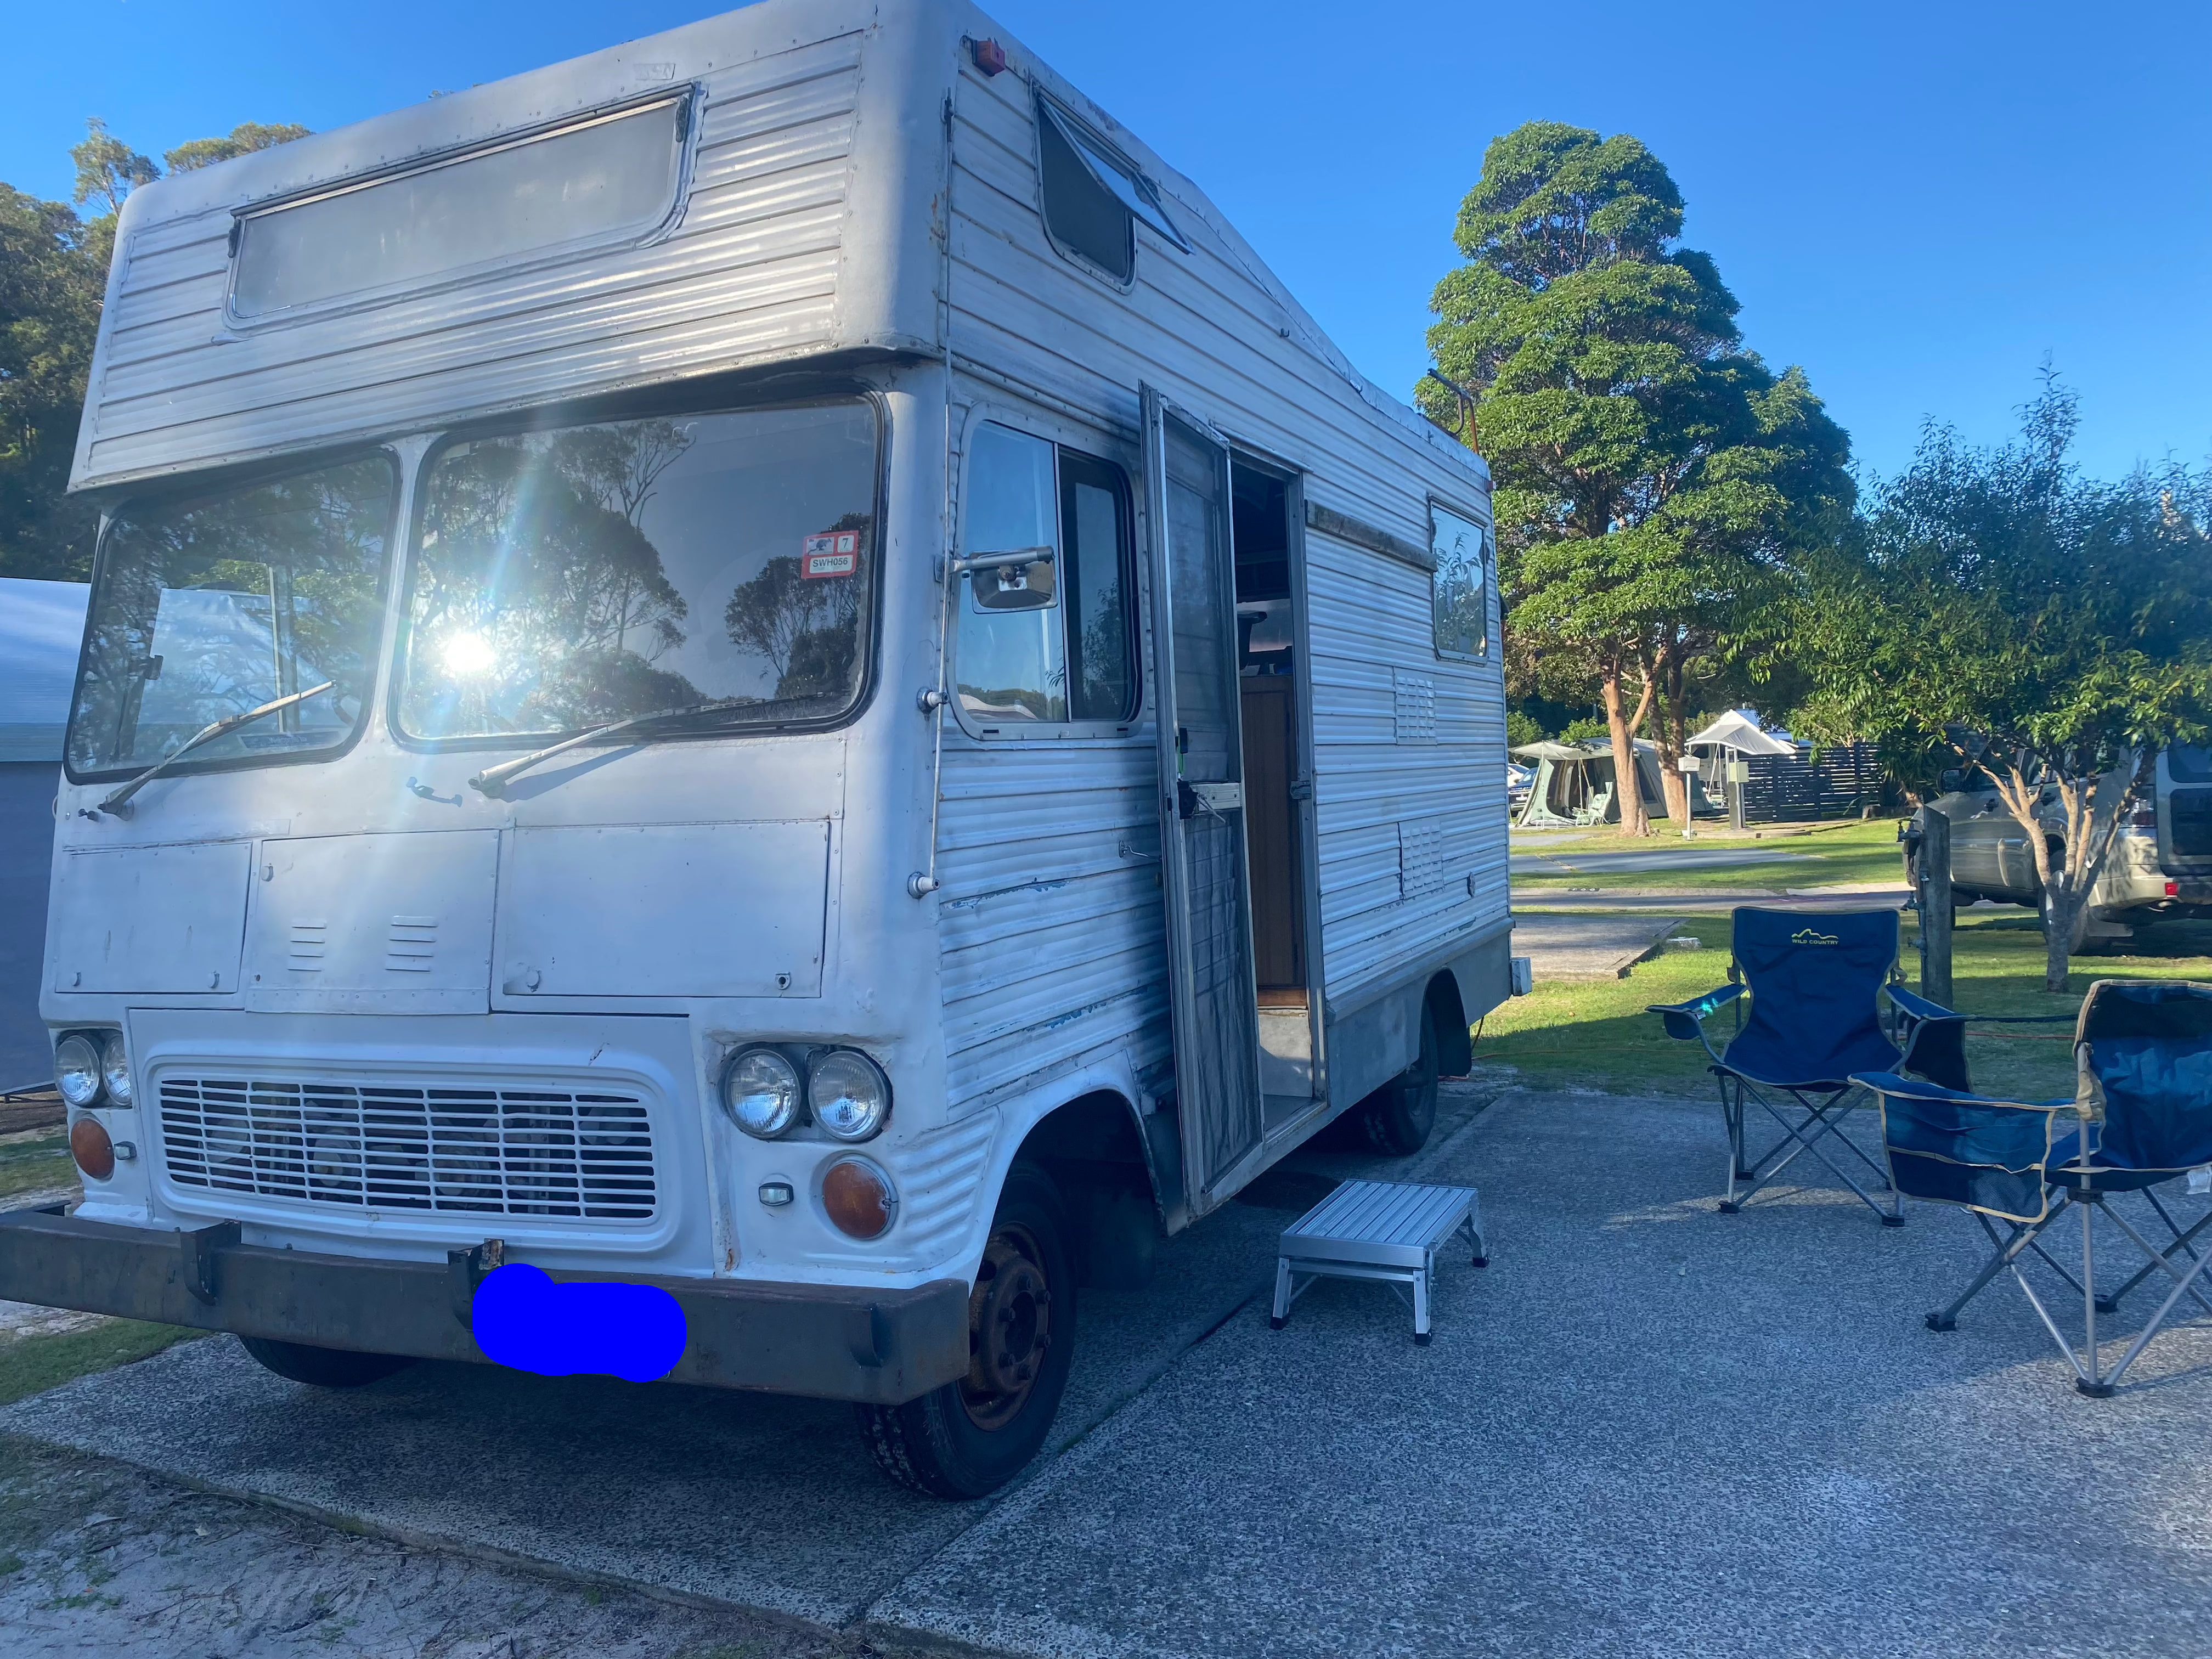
point(1381, 1230)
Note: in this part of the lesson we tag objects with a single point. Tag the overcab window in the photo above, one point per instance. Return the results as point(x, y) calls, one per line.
point(604, 180)
point(1049, 639)
point(1461, 592)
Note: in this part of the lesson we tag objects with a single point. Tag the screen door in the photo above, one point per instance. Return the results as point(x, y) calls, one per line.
point(1195, 692)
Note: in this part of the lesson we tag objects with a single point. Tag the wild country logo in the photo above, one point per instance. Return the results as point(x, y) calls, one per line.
point(1807, 936)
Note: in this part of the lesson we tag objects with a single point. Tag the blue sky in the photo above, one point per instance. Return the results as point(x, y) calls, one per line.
point(1917, 202)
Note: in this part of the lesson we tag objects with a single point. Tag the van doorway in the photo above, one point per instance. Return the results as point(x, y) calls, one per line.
point(1276, 780)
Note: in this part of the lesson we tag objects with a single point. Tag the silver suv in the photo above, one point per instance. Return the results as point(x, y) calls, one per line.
point(2161, 865)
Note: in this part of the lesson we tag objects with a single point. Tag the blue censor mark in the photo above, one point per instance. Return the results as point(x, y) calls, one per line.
point(525, 1321)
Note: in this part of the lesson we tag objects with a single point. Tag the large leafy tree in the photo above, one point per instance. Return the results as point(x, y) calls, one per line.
point(1652, 474)
point(2001, 612)
point(52, 269)
point(53, 278)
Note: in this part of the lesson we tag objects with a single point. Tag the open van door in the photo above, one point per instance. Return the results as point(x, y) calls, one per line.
point(1195, 692)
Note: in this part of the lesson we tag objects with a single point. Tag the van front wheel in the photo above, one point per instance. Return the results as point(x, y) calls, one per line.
point(974, 1435)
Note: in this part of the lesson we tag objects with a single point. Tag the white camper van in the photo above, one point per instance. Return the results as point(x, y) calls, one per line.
point(768, 664)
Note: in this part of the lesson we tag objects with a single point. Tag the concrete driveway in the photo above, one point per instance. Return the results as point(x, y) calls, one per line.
point(1645, 1429)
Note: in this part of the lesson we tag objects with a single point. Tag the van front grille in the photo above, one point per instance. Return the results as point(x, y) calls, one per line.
point(483, 1151)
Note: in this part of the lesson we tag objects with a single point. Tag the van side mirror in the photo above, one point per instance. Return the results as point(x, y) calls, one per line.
point(1951, 780)
point(1022, 579)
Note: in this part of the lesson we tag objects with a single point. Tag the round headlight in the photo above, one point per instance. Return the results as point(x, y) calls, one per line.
point(77, 1070)
point(858, 1198)
point(115, 1068)
point(849, 1093)
point(760, 1091)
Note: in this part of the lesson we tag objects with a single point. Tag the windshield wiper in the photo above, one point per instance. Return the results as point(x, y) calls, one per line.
point(492, 779)
point(119, 802)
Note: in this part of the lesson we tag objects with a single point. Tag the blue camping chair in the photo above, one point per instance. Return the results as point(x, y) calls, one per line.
point(1815, 982)
point(2140, 1116)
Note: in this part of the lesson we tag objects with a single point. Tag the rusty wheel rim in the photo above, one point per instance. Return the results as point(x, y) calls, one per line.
point(1009, 1328)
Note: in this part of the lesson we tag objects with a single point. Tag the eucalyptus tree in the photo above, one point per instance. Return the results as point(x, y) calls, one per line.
point(1652, 475)
point(53, 278)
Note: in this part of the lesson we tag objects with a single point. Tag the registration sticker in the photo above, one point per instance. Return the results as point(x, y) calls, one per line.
point(832, 553)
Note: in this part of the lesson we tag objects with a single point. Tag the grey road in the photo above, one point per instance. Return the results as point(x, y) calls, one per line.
point(1645, 1430)
point(1574, 862)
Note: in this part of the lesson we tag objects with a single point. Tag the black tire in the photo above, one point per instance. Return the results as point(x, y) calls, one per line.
point(1397, 1116)
point(972, 1436)
point(323, 1367)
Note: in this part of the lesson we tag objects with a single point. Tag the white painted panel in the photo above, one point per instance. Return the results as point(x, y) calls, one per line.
point(663, 910)
point(383, 923)
point(150, 919)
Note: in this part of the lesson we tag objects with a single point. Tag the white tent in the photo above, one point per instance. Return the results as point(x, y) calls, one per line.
point(1739, 733)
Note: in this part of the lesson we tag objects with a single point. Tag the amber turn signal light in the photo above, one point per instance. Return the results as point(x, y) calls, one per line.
point(94, 1152)
point(858, 1199)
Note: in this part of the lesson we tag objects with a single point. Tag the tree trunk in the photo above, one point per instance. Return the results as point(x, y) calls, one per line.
point(2093, 823)
point(1628, 790)
point(1670, 732)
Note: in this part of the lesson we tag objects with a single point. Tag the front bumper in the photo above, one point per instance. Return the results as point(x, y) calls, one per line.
point(835, 1342)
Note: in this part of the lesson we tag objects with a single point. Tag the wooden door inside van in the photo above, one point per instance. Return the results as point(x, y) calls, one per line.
point(1195, 691)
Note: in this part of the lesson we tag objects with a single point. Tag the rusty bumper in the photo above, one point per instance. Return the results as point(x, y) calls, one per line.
point(830, 1341)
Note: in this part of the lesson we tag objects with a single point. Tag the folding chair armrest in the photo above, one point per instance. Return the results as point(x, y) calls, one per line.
point(1919, 1089)
point(1918, 1007)
point(1684, 1019)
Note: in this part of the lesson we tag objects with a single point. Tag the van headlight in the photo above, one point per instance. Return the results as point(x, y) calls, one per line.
point(760, 1091)
point(77, 1069)
point(849, 1094)
point(115, 1068)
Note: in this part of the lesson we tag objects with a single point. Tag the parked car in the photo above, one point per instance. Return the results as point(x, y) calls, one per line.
point(2160, 864)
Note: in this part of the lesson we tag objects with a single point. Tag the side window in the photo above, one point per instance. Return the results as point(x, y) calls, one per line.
point(1093, 198)
point(1072, 658)
point(1462, 582)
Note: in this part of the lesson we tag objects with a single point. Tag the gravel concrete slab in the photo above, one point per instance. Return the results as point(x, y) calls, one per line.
point(1575, 948)
point(1645, 1430)
point(98, 1558)
point(766, 1502)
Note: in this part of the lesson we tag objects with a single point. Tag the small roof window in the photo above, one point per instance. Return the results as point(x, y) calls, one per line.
point(1092, 198)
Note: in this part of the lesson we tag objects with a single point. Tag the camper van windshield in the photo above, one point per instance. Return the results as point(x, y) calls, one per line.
point(207, 608)
point(569, 578)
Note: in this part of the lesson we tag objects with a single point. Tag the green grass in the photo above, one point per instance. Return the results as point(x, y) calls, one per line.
point(1598, 1037)
point(1826, 855)
point(32, 1364)
point(31, 1161)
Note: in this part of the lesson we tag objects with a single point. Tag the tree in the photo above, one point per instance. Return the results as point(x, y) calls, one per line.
point(53, 279)
point(52, 270)
point(108, 168)
point(2000, 612)
point(245, 138)
point(1652, 475)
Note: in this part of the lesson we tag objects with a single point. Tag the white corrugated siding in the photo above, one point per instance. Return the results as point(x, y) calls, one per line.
point(1070, 932)
point(749, 273)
